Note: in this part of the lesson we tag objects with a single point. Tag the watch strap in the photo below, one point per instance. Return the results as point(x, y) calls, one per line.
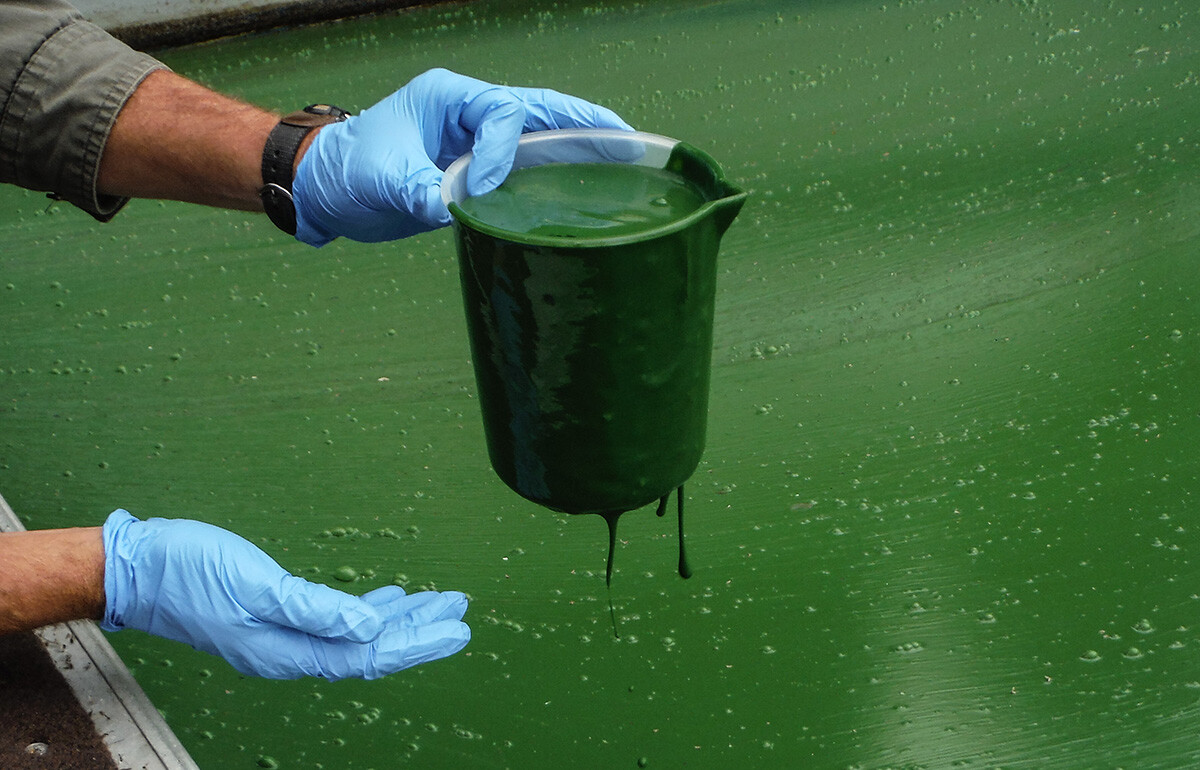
point(279, 159)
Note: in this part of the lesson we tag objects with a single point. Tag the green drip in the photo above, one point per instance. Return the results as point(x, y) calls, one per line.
point(685, 569)
point(611, 519)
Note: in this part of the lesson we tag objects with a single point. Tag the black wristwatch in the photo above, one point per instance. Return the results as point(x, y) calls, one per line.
point(279, 160)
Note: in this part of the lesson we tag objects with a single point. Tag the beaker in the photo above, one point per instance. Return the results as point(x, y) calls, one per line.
point(592, 353)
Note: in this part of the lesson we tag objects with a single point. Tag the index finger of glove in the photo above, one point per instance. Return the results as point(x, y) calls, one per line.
point(546, 109)
point(317, 610)
point(499, 116)
point(420, 608)
point(496, 118)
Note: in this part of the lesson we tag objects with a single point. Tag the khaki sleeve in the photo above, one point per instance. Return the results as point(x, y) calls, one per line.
point(63, 81)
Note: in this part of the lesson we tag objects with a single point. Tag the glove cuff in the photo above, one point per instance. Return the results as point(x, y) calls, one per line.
point(117, 589)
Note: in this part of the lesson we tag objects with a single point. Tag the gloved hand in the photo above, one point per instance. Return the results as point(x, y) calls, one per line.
point(377, 176)
point(207, 587)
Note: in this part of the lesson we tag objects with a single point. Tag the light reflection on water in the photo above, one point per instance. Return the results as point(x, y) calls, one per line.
point(945, 512)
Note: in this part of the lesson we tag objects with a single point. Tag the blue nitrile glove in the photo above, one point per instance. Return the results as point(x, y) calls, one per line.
point(377, 176)
point(209, 588)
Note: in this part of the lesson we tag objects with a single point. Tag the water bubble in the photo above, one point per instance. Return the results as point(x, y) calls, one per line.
point(1144, 626)
point(1091, 656)
point(345, 574)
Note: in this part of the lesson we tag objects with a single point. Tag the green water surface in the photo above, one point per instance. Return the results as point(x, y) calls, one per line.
point(944, 517)
point(573, 200)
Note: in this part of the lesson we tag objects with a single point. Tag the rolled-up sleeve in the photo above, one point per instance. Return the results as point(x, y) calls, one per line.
point(63, 81)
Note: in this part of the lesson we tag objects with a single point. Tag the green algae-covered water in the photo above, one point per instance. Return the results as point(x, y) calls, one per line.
point(945, 516)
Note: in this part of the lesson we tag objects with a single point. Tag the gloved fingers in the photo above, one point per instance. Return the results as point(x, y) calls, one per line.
point(403, 646)
point(432, 607)
point(496, 117)
point(546, 109)
point(315, 609)
point(419, 608)
point(380, 597)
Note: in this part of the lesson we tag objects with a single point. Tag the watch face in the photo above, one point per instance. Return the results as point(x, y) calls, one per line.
point(326, 109)
point(311, 119)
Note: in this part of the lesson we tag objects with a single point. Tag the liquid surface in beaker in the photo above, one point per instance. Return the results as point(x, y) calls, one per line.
point(586, 200)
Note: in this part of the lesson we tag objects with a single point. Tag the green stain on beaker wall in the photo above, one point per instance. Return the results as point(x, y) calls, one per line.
point(593, 361)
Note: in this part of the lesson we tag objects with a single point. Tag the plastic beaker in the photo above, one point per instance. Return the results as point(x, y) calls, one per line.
point(592, 354)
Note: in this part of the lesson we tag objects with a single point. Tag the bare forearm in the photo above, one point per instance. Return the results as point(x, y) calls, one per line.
point(50, 576)
point(177, 140)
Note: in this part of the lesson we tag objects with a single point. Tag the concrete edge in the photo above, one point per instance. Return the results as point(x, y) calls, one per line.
point(133, 730)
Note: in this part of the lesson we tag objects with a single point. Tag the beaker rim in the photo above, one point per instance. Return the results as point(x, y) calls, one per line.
point(588, 145)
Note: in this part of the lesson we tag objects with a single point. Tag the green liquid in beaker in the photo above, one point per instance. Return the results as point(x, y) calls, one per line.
point(586, 199)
